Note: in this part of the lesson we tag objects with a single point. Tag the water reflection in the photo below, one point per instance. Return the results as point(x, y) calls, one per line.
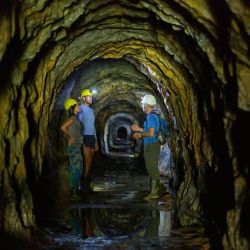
point(117, 217)
point(118, 209)
point(152, 227)
point(80, 223)
point(165, 225)
point(115, 222)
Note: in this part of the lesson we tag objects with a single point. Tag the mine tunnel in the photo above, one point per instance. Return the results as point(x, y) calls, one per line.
point(192, 56)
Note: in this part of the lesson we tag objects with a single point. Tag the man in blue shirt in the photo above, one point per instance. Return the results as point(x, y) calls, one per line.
point(151, 146)
point(90, 145)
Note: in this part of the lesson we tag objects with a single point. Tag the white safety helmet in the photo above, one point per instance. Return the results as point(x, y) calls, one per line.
point(149, 100)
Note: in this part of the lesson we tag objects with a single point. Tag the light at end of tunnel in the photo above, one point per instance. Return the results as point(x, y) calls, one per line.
point(94, 91)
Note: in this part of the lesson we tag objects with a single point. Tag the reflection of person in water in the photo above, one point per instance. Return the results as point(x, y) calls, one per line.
point(75, 222)
point(80, 221)
point(86, 223)
point(152, 229)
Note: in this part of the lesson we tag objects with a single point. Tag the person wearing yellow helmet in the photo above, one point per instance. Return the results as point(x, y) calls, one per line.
point(86, 92)
point(90, 145)
point(72, 129)
point(69, 103)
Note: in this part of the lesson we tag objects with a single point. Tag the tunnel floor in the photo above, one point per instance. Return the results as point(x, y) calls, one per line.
point(115, 216)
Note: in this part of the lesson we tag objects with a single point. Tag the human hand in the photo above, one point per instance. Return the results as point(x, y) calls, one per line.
point(71, 139)
point(136, 136)
point(135, 128)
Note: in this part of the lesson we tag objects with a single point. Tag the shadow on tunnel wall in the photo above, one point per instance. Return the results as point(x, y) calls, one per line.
point(53, 188)
point(223, 187)
point(14, 48)
point(218, 194)
point(242, 142)
point(218, 197)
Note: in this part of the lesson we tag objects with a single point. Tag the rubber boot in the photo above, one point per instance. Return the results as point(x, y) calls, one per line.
point(154, 189)
point(74, 194)
point(88, 189)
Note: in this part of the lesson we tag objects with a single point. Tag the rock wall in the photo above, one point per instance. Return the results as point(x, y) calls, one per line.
point(196, 55)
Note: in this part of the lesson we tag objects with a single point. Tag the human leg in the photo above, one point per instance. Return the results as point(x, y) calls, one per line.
point(75, 165)
point(88, 151)
point(87, 159)
point(151, 155)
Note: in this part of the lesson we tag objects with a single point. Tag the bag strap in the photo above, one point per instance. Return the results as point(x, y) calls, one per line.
point(159, 118)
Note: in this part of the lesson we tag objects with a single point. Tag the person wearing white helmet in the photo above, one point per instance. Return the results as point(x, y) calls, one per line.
point(72, 129)
point(90, 145)
point(149, 132)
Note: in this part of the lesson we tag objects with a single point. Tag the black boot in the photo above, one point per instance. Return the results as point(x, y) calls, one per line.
point(74, 195)
point(85, 185)
point(88, 185)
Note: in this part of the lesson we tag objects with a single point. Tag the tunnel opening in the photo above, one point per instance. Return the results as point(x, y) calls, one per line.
point(122, 133)
point(113, 145)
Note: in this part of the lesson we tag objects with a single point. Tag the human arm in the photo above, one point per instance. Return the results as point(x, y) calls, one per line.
point(149, 133)
point(65, 130)
point(151, 124)
point(136, 128)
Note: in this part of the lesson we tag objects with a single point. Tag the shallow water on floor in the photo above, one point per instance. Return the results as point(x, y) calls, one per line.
point(115, 216)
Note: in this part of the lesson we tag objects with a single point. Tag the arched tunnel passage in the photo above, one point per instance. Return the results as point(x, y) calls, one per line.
point(192, 55)
point(115, 144)
point(117, 106)
point(122, 132)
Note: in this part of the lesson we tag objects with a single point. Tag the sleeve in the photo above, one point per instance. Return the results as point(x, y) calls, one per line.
point(153, 122)
point(79, 115)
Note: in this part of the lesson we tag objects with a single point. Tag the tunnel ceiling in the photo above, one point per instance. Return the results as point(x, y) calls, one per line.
point(193, 54)
point(172, 41)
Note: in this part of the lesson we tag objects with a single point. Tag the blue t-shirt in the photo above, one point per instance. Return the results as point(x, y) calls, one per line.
point(152, 121)
point(87, 119)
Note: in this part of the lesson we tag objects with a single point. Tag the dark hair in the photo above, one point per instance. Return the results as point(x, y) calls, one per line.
point(71, 109)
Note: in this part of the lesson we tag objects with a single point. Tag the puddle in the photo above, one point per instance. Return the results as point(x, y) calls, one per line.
point(115, 216)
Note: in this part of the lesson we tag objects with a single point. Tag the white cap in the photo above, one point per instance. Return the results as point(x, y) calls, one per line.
point(149, 99)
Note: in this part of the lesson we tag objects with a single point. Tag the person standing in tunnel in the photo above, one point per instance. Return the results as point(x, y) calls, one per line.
point(72, 128)
point(90, 145)
point(151, 146)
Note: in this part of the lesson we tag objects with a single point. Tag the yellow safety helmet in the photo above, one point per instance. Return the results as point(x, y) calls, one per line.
point(69, 102)
point(86, 92)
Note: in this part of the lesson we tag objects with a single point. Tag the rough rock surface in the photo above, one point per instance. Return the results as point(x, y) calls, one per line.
point(194, 55)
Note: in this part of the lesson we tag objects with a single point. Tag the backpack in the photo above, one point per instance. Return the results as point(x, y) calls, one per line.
point(163, 133)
